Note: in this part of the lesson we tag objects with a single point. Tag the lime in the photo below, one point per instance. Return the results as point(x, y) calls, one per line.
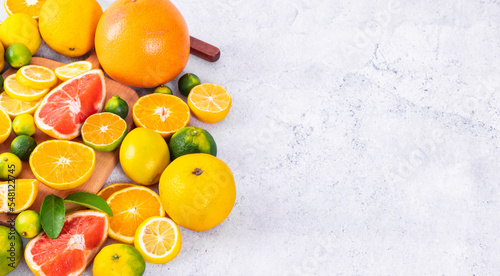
point(163, 89)
point(187, 82)
point(117, 106)
point(10, 166)
point(28, 224)
point(22, 146)
point(18, 55)
point(191, 139)
point(11, 249)
point(118, 259)
point(24, 124)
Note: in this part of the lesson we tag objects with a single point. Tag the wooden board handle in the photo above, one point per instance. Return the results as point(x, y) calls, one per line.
point(204, 50)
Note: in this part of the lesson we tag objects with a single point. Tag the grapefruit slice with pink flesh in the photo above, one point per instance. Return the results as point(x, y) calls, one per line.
point(63, 111)
point(82, 236)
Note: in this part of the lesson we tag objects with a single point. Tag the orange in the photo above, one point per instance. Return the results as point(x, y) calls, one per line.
point(31, 8)
point(131, 206)
point(210, 103)
point(23, 192)
point(82, 236)
point(162, 113)
point(111, 189)
point(142, 43)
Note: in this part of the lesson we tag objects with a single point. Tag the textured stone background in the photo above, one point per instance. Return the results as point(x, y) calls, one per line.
point(363, 136)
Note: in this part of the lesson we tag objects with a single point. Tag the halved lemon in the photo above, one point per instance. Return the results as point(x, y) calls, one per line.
point(20, 92)
point(15, 107)
point(62, 164)
point(158, 239)
point(23, 193)
point(72, 70)
point(29, 7)
point(104, 131)
point(35, 76)
point(210, 103)
point(5, 125)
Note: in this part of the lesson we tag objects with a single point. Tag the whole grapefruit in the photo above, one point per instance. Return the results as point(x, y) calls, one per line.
point(142, 43)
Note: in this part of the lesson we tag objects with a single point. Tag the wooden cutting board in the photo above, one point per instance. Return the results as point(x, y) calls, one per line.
point(105, 161)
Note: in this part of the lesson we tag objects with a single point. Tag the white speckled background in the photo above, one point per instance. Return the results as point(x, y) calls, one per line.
point(363, 136)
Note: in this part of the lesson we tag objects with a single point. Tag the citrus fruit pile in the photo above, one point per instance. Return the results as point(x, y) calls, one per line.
point(60, 117)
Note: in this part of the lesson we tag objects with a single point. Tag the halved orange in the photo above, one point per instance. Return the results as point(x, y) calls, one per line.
point(104, 131)
point(111, 189)
point(23, 193)
point(29, 7)
point(210, 103)
point(131, 206)
point(61, 164)
point(162, 113)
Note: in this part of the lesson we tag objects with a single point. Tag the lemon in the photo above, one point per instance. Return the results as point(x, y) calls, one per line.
point(11, 249)
point(24, 124)
point(197, 191)
point(191, 140)
point(118, 260)
point(21, 28)
point(10, 166)
point(18, 55)
point(28, 224)
point(117, 106)
point(163, 89)
point(158, 239)
point(144, 155)
point(69, 27)
point(22, 146)
point(5, 125)
point(187, 82)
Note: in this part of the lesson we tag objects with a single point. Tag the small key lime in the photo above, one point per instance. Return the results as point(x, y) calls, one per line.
point(191, 139)
point(18, 55)
point(24, 124)
point(163, 89)
point(117, 106)
point(28, 224)
point(187, 82)
point(22, 146)
point(11, 250)
point(10, 166)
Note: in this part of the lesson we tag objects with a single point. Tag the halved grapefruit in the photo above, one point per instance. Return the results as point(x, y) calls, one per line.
point(82, 236)
point(64, 110)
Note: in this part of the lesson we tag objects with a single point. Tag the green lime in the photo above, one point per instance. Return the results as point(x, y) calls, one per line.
point(117, 106)
point(187, 82)
point(24, 124)
point(163, 89)
point(22, 146)
point(18, 55)
point(11, 249)
point(191, 140)
point(28, 224)
point(10, 166)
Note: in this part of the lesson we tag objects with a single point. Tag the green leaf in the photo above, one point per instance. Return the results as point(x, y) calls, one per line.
point(52, 215)
point(90, 201)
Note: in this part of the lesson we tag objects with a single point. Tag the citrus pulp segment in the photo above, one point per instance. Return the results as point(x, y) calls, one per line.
point(25, 192)
point(210, 103)
point(20, 92)
point(104, 131)
point(72, 70)
point(36, 76)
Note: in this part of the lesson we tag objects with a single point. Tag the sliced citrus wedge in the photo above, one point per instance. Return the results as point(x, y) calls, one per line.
point(162, 113)
point(210, 103)
point(104, 131)
point(18, 195)
point(36, 76)
point(15, 107)
point(72, 70)
point(20, 92)
point(111, 189)
point(158, 239)
point(131, 206)
point(29, 7)
point(61, 164)
point(5, 125)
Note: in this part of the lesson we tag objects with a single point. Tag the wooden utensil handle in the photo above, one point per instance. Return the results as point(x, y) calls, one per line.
point(204, 50)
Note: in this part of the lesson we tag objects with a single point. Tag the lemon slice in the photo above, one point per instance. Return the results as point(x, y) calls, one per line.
point(15, 107)
point(5, 125)
point(19, 92)
point(25, 192)
point(35, 76)
point(158, 239)
point(72, 70)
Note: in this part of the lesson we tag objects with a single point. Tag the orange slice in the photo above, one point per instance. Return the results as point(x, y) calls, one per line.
point(209, 102)
point(29, 7)
point(23, 193)
point(131, 206)
point(61, 164)
point(162, 113)
point(5, 125)
point(111, 189)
